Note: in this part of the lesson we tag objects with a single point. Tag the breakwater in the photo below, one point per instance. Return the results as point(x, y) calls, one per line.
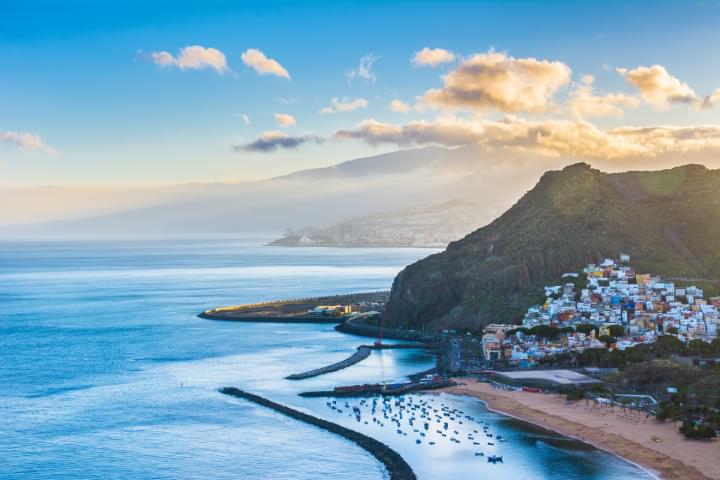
point(358, 327)
point(397, 467)
point(374, 389)
point(363, 351)
point(361, 354)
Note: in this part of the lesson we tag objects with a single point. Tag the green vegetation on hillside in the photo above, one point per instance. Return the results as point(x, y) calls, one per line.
point(669, 222)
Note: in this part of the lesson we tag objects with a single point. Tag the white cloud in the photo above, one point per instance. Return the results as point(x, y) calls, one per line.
point(432, 57)
point(551, 138)
point(496, 81)
point(257, 60)
point(585, 103)
point(399, 106)
point(712, 99)
point(243, 117)
point(164, 59)
point(26, 141)
point(364, 69)
point(273, 140)
point(344, 105)
point(657, 87)
point(284, 119)
point(193, 57)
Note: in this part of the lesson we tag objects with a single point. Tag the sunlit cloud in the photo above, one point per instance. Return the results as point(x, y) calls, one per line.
point(284, 119)
point(711, 100)
point(551, 138)
point(364, 70)
point(257, 60)
point(399, 106)
point(26, 141)
point(274, 140)
point(585, 103)
point(193, 57)
point(344, 105)
point(657, 87)
point(432, 57)
point(494, 81)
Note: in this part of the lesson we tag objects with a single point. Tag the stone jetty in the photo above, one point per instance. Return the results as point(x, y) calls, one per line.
point(397, 467)
point(361, 354)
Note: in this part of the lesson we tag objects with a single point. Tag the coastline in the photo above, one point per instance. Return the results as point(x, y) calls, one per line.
point(631, 440)
point(293, 310)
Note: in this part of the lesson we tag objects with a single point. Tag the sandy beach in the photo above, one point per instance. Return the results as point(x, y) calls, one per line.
point(627, 434)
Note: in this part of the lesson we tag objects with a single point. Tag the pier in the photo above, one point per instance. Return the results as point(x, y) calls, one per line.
point(397, 467)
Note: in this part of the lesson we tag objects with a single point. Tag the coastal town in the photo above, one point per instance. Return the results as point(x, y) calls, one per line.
point(622, 320)
point(609, 305)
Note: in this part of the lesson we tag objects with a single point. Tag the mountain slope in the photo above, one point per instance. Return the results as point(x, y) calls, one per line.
point(369, 186)
point(669, 221)
point(401, 161)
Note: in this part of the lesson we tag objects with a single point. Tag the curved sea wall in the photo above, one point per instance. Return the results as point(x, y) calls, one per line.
point(396, 466)
point(361, 354)
point(357, 327)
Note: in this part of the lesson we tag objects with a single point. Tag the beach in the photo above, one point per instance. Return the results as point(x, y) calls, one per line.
point(627, 434)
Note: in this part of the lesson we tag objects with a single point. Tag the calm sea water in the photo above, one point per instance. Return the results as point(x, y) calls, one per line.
point(107, 373)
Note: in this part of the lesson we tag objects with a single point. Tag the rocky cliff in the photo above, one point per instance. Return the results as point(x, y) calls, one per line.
point(669, 221)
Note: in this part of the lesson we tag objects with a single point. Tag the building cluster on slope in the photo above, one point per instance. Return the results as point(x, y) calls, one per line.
point(617, 308)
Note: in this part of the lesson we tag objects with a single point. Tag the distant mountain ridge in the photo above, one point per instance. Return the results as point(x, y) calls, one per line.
point(399, 162)
point(369, 186)
point(668, 220)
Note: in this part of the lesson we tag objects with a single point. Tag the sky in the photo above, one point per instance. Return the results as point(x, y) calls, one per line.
point(140, 93)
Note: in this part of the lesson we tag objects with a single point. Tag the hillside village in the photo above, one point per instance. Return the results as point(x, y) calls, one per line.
point(612, 307)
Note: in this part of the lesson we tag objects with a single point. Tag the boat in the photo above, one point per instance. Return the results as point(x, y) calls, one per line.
point(495, 459)
point(479, 454)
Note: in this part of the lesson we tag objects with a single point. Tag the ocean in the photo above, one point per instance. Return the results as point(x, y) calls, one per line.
point(106, 372)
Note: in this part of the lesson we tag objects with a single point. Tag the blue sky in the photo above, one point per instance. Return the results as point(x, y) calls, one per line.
point(79, 75)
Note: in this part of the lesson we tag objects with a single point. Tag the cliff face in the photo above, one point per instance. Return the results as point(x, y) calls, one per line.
point(669, 221)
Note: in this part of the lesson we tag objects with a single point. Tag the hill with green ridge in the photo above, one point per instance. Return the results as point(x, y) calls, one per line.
point(669, 221)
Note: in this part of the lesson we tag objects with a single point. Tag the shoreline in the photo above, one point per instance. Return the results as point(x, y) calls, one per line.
point(644, 468)
point(551, 412)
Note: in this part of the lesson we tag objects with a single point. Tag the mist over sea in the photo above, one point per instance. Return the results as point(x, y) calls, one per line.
point(107, 373)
